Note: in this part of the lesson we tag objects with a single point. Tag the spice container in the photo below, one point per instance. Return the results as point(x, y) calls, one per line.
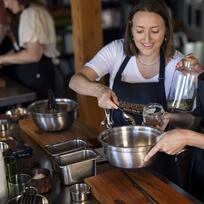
point(153, 115)
point(183, 88)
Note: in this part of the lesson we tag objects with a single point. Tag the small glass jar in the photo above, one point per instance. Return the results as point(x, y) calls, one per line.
point(153, 115)
point(183, 88)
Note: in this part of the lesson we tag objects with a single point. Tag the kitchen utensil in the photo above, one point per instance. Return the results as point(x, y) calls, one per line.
point(74, 167)
point(51, 101)
point(126, 146)
point(64, 115)
point(150, 198)
point(41, 180)
point(127, 116)
point(80, 192)
point(66, 147)
point(15, 114)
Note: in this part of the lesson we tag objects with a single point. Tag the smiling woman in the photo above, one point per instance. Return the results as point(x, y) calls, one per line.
point(141, 67)
point(35, 54)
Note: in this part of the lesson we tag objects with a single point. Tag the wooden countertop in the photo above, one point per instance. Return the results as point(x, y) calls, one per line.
point(113, 187)
point(42, 138)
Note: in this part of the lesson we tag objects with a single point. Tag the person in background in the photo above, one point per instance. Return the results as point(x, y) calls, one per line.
point(141, 65)
point(35, 55)
point(174, 141)
point(141, 68)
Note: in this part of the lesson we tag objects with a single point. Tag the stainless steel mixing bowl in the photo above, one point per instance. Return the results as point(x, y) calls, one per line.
point(126, 146)
point(57, 119)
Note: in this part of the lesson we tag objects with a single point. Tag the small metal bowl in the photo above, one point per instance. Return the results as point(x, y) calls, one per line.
point(80, 192)
point(17, 113)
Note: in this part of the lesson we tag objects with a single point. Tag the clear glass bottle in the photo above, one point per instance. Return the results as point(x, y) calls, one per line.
point(183, 88)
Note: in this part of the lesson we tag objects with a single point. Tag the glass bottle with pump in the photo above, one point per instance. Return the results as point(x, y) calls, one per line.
point(183, 88)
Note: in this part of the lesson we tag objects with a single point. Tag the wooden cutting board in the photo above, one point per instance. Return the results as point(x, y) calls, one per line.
point(113, 186)
point(77, 130)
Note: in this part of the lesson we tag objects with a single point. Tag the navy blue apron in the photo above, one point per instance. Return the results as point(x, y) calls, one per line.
point(139, 93)
point(38, 76)
point(143, 93)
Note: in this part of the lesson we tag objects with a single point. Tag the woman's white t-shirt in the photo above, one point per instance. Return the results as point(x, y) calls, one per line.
point(110, 57)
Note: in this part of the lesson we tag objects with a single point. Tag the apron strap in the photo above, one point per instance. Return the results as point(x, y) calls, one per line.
point(162, 67)
point(121, 69)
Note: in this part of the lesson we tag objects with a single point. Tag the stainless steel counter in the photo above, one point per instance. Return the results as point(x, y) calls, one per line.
point(14, 93)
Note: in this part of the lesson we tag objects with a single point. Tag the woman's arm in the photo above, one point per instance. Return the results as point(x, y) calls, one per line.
point(85, 83)
point(31, 54)
point(183, 120)
point(174, 141)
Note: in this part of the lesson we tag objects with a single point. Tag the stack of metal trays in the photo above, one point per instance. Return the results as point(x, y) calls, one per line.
point(73, 160)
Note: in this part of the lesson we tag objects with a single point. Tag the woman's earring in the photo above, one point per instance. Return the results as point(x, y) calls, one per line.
point(165, 39)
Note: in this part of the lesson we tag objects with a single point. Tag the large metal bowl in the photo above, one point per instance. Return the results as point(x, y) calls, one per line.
point(126, 146)
point(58, 119)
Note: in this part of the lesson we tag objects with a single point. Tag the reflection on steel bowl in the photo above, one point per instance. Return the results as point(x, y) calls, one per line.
point(126, 146)
point(56, 119)
point(17, 113)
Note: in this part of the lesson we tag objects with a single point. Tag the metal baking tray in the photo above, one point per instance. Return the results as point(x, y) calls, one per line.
point(66, 147)
point(74, 167)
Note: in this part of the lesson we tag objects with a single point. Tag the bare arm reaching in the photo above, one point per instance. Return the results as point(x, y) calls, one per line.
point(32, 53)
point(85, 83)
point(174, 141)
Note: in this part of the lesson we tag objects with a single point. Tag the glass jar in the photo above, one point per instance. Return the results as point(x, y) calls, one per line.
point(153, 115)
point(183, 88)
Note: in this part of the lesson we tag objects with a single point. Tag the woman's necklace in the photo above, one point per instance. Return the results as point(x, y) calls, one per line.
point(148, 64)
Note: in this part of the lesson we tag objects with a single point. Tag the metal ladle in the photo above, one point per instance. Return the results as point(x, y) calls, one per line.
point(127, 117)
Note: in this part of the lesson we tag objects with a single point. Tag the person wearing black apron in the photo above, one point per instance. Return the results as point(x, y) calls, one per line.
point(38, 76)
point(144, 93)
point(133, 64)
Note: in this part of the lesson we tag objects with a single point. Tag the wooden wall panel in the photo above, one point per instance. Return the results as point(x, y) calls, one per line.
point(87, 40)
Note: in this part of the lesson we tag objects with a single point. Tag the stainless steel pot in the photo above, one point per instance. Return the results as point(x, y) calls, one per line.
point(56, 119)
point(126, 146)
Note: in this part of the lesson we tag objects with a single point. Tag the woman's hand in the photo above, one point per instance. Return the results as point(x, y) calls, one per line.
point(171, 142)
point(198, 68)
point(107, 98)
